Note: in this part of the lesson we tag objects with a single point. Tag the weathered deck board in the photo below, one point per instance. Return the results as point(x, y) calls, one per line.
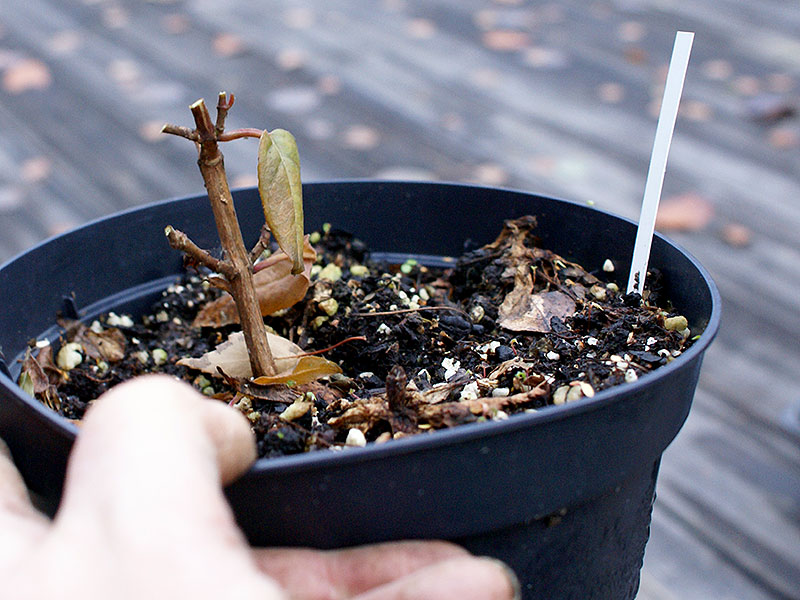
point(414, 88)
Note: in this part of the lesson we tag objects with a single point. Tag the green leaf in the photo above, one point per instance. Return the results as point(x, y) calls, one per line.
point(281, 192)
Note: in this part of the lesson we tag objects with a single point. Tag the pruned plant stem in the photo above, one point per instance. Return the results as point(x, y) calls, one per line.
point(181, 242)
point(237, 266)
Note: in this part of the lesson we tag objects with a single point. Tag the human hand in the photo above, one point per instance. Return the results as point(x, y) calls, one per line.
point(143, 516)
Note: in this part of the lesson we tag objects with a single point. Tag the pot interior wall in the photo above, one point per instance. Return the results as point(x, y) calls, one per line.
point(127, 254)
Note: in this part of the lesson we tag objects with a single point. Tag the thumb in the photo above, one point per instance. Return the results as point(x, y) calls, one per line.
point(151, 456)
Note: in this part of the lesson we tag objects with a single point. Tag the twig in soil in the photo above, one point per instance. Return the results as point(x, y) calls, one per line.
point(402, 311)
point(396, 382)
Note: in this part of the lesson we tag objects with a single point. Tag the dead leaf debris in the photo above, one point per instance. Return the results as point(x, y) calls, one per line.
point(408, 348)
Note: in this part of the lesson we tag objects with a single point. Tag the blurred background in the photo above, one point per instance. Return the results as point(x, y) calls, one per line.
point(559, 98)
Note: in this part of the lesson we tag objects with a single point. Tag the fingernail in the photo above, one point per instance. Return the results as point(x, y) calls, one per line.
point(513, 580)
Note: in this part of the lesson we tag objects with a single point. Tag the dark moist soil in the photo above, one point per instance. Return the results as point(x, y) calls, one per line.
point(431, 353)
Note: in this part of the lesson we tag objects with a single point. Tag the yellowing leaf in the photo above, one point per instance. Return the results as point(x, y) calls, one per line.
point(307, 369)
point(281, 192)
point(276, 288)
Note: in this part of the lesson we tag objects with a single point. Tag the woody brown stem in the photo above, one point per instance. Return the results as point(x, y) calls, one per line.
point(224, 104)
point(181, 242)
point(261, 245)
point(240, 275)
point(189, 134)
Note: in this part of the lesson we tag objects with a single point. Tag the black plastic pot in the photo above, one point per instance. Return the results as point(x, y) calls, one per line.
point(563, 495)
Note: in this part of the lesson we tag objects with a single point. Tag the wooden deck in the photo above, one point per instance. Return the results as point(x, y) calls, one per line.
point(557, 98)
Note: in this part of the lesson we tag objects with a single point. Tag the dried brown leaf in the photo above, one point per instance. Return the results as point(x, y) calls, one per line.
point(276, 288)
point(419, 412)
point(231, 356)
point(232, 359)
point(522, 310)
point(39, 381)
point(362, 415)
point(108, 345)
point(39, 376)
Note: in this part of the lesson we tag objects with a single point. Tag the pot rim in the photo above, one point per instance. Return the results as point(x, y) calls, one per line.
point(452, 436)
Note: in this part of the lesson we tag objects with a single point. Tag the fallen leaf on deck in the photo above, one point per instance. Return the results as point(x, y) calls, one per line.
point(717, 69)
point(636, 55)
point(631, 31)
point(687, 212)
point(276, 288)
point(299, 17)
point(65, 42)
point(27, 74)
point(291, 59)
point(736, 235)
point(611, 92)
point(784, 138)
point(36, 169)
point(175, 24)
point(227, 45)
point(490, 174)
point(422, 29)
point(115, 17)
point(506, 40)
point(361, 137)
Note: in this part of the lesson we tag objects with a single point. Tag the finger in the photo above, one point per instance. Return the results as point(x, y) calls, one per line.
point(20, 522)
point(465, 578)
point(13, 493)
point(150, 457)
point(346, 573)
